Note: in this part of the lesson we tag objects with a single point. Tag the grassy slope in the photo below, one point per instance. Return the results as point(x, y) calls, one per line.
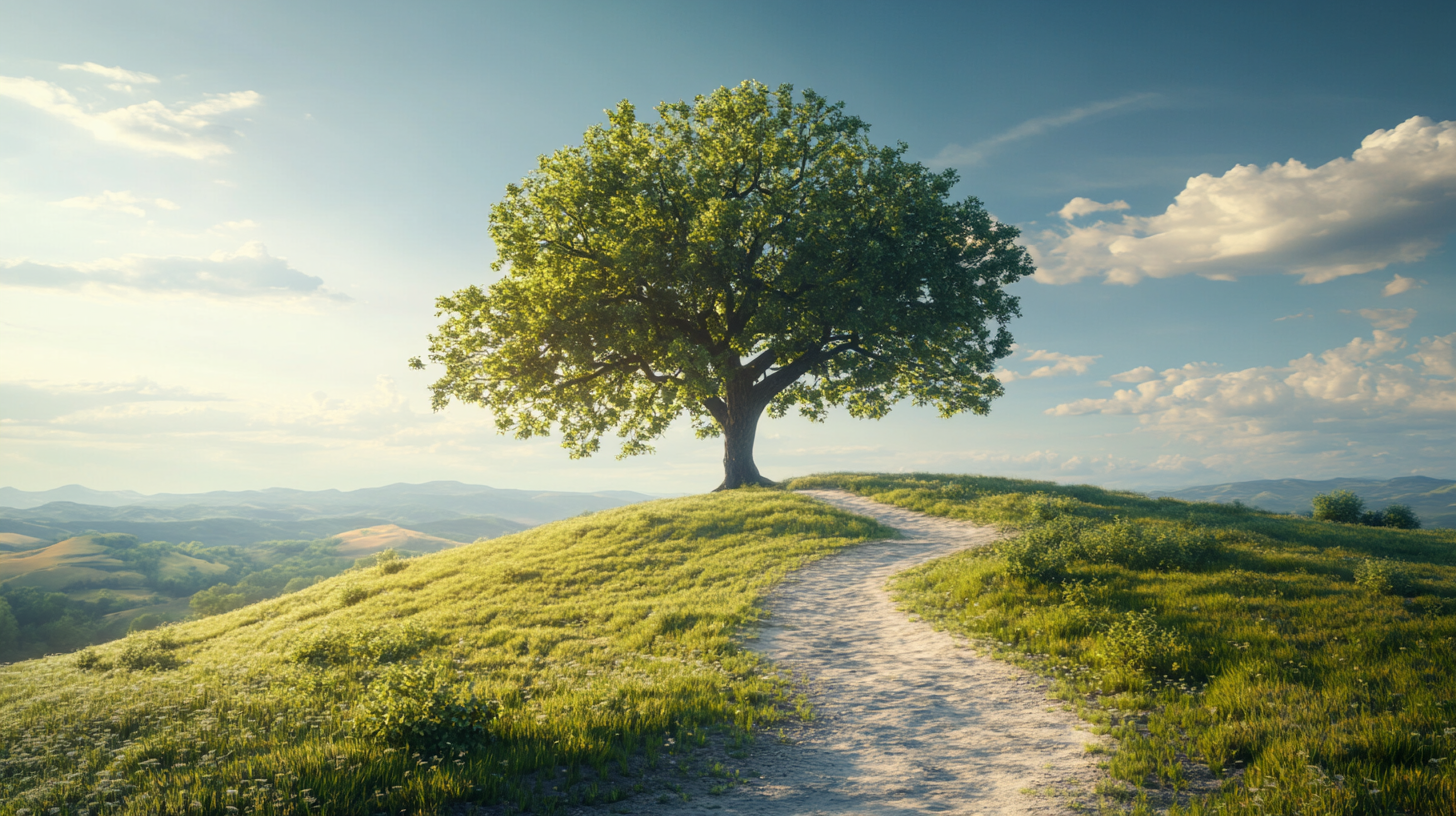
point(1274, 663)
point(603, 637)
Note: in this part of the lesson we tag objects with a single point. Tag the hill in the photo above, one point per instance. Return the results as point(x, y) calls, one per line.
point(369, 540)
point(1434, 500)
point(535, 669)
point(408, 504)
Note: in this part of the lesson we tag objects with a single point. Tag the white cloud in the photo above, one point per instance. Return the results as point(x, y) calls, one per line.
point(1437, 355)
point(1399, 284)
point(1393, 201)
point(1293, 317)
point(122, 202)
point(1357, 398)
point(117, 74)
point(246, 223)
point(1057, 364)
point(955, 155)
point(1080, 206)
point(191, 131)
point(250, 272)
point(1136, 375)
point(1389, 319)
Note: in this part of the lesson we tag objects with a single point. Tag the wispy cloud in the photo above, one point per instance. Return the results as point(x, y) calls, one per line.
point(1400, 284)
point(1299, 316)
point(113, 201)
point(1057, 364)
point(250, 273)
point(955, 155)
point(1389, 319)
point(116, 74)
point(1392, 201)
point(1080, 206)
point(191, 131)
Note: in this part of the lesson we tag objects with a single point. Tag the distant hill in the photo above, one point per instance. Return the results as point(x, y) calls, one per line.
point(408, 504)
point(356, 543)
point(1434, 500)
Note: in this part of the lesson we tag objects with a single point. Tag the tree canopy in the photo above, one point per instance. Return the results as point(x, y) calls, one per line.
point(745, 252)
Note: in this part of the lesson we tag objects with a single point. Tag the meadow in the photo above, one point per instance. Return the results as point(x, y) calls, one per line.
point(1309, 666)
point(548, 668)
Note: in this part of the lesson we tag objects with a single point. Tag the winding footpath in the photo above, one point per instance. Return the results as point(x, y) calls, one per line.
point(909, 720)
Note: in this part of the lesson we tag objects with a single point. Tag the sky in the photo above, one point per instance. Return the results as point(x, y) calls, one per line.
point(225, 226)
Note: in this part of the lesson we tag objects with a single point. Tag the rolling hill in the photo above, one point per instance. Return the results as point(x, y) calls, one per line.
point(1434, 500)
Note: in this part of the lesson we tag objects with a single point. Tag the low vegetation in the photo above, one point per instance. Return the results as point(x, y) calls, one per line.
point(541, 670)
point(1307, 664)
point(1347, 508)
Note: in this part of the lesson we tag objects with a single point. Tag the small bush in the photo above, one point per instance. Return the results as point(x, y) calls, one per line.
point(1139, 643)
point(145, 621)
point(421, 706)
point(1401, 517)
point(1042, 551)
point(88, 659)
point(1382, 576)
point(1342, 506)
point(351, 594)
point(329, 646)
point(389, 562)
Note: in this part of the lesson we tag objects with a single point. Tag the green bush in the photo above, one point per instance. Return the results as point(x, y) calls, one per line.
point(422, 706)
point(1401, 517)
point(351, 594)
point(1383, 576)
point(389, 562)
point(1342, 506)
point(1137, 642)
point(145, 621)
point(389, 644)
point(138, 652)
point(1044, 550)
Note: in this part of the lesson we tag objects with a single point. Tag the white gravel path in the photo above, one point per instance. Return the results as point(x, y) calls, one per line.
point(910, 720)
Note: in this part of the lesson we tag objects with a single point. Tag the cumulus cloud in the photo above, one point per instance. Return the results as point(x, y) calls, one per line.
point(1399, 284)
point(117, 74)
point(1080, 206)
point(1057, 363)
point(955, 155)
point(1355, 397)
point(111, 201)
point(191, 131)
point(250, 272)
point(1392, 201)
point(1136, 375)
point(1389, 319)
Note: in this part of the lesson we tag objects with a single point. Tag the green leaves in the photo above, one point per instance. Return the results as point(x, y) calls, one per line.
point(746, 251)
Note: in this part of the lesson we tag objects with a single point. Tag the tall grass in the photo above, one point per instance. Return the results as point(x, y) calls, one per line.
point(1309, 665)
point(545, 666)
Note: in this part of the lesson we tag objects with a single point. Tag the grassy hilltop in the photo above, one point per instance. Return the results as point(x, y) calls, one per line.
point(1307, 665)
point(1311, 666)
point(471, 674)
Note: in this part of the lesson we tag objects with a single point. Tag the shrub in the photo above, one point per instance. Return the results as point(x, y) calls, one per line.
point(1342, 506)
point(351, 594)
point(1043, 550)
point(329, 646)
point(389, 562)
point(1383, 576)
point(421, 706)
point(1137, 641)
point(138, 652)
point(1401, 517)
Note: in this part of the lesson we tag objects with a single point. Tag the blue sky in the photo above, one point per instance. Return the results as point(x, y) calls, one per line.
point(226, 225)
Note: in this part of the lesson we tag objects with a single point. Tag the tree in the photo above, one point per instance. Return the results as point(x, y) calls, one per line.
point(746, 252)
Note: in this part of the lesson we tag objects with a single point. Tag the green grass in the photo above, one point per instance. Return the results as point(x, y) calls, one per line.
point(582, 650)
point(1259, 655)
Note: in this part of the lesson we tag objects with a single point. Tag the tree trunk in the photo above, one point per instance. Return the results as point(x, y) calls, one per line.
point(743, 411)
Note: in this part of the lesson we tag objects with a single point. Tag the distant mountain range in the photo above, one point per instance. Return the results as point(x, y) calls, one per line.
point(453, 510)
point(1434, 500)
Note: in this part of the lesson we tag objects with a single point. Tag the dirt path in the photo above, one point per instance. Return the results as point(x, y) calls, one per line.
point(909, 720)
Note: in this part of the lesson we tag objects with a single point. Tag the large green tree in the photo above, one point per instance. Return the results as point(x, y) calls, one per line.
point(747, 251)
